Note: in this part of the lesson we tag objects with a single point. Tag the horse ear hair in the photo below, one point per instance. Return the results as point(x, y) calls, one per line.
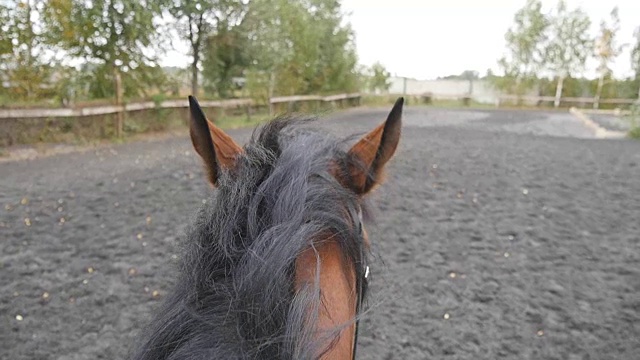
point(215, 147)
point(371, 153)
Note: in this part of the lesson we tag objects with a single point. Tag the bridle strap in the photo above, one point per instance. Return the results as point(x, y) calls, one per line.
point(362, 283)
point(361, 293)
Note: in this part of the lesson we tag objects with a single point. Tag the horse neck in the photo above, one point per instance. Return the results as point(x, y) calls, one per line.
point(338, 296)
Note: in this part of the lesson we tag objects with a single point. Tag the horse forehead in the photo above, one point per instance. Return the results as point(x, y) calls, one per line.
point(338, 296)
point(328, 255)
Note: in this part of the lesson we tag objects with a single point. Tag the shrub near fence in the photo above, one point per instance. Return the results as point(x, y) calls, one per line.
point(55, 129)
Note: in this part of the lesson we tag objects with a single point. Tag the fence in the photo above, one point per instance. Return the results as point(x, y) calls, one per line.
point(18, 126)
point(340, 99)
point(315, 101)
point(116, 109)
point(528, 100)
point(537, 100)
point(112, 109)
point(483, 92)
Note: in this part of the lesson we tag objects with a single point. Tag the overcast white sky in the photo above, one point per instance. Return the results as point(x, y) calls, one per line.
point(429, 38)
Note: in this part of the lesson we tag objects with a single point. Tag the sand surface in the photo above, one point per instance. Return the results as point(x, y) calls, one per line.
point(500, 234)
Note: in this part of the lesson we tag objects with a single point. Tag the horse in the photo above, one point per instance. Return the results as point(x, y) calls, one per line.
point(275, 264)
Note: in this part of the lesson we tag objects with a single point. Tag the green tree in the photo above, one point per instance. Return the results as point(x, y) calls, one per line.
point(569, 45)
point(118, 36)
point(606, 50)
point(6, 44)
point(635, 58)
point(270, 47)
point(334, 49)
point(470, 76)
point(525, 44)
point(512, 81)
point(21, 48)
point(488, 74)
point(298, 47)
point(376, 78)
point(225, 57)
point(196, 20)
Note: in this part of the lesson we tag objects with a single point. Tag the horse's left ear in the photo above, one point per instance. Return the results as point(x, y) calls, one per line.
point(215, 147)
point(373, 151)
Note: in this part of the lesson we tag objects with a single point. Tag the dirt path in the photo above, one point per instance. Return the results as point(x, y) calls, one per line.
point(518, 227)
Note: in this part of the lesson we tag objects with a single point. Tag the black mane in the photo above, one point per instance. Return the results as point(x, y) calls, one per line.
point(234, 297)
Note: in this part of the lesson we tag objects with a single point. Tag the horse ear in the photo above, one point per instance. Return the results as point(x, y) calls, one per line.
point(372, 152)
point(215, 147)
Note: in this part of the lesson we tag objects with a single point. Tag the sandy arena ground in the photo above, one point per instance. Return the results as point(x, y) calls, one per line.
point(500, 234)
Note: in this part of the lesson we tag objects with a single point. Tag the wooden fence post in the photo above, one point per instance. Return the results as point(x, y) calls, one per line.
point(248, 112)
point(120, 112)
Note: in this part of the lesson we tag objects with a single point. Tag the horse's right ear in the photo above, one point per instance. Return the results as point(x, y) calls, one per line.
point(373, 151)
point(215, 147)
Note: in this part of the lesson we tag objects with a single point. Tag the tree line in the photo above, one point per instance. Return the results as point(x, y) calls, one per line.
point(74, 50)
point(276, 47)
point(548, 51)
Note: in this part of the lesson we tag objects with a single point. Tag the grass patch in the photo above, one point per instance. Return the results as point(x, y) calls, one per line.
point(634, 133)
point(634, 120)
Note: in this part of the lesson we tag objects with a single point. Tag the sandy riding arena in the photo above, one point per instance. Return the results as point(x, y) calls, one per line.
point(499, 235)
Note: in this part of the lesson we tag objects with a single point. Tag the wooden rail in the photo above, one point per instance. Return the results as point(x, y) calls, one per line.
point(465, 98)
point(296, 98)
point(586, 100)
point(112, 109)
point(168, 104)
point(292, 100)
point(10, 117)
point(615, 112)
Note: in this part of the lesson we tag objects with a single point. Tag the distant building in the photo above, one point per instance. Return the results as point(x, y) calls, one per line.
point(480, 90)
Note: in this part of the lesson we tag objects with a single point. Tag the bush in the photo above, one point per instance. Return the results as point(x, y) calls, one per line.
point(634, 118)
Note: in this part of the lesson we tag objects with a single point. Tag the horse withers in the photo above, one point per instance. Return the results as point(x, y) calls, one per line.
point(275, 264)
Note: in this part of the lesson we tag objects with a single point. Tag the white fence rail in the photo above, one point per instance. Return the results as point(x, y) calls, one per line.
point(113, 109)
point(168, 104)
point(353, 98)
